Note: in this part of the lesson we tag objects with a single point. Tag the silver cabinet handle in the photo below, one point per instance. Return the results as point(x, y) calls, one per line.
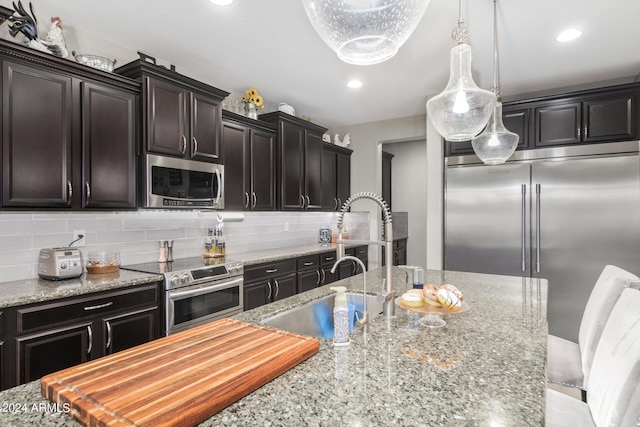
point(246, 198)
point(96, 307)
point(69, 192)
point(271, 270)
point(335, 203)
point(108, 335)
point(308, 201)
point(194, 147)
point(90, 333)
point(537, 228)
point(308, 263)
point(318, 281)
point(219, 180)
point(184, 144)
point(324, 276)
point(329, 258)
point(524, 224)
point(269, 296)
point(88, 187)
point(254, 200)
point(339, 203)
point(277, 288)
point(586, 133)
point(301, 201)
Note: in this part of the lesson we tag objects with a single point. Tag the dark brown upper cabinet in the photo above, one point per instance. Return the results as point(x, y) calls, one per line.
point(249, 156)
point(299, 161)
point(336, 176)
point(607, 114)
point(182, 116)
point(69, 133)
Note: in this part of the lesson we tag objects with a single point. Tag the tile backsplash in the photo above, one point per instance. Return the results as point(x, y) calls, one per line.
point(136, 234)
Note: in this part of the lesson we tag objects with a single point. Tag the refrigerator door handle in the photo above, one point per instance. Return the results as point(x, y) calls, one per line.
point(524, 226)
point(537, 228)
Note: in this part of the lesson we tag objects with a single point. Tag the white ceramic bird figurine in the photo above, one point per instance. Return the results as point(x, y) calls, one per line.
point(336, 139)
point(346, 140)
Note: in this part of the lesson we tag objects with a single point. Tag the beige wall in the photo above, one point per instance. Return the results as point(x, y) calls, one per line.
point(366, 172)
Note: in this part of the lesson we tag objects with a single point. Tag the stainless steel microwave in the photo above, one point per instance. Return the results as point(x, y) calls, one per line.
point(183, 184)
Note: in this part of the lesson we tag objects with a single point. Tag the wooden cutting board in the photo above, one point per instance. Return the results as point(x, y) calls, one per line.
point(179, 380)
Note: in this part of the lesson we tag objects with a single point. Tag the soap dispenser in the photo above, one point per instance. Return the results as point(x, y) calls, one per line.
point(340, 317)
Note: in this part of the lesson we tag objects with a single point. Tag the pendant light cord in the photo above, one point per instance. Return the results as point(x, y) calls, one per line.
point(496, 59)
point(460, 33)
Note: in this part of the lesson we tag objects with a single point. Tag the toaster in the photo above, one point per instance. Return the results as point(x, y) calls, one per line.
point(59, 263)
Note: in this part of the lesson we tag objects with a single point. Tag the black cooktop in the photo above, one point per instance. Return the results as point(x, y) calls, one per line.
point(182, 264)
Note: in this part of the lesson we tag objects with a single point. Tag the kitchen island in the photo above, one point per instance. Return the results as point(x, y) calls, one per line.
point(486, 367)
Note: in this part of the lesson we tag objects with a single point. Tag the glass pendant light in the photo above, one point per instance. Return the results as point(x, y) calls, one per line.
point(462, 109)
point(365, 32)
point(496, 144)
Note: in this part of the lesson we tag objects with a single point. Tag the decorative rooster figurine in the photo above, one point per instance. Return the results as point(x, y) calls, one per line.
point(28, 26)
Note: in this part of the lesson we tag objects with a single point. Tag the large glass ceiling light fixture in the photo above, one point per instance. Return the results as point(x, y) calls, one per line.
point(496, 144)
point(365, 32)
point(462, 109)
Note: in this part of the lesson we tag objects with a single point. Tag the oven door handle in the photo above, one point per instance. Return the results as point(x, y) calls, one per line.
point(199, 291)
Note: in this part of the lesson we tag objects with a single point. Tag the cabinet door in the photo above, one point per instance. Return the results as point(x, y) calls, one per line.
point(257, 294)
point(129, 329)
point(313, 170)
point(234, 150)
point(309, 279)
point(109, 142)
point(343, 177)
point(36, 137)
point(47, 352)
point(263, 170)
point(517, 120)
point(284, 286)
point(292, 164)
point(329, 178)
point(610, 118)
point(206, 115)
point(558, 124)
point(167, 124)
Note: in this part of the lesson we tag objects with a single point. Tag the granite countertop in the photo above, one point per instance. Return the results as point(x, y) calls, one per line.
point(485, 368)
point(21, 292)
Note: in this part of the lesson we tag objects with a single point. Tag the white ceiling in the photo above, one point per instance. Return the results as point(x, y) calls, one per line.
point(270, 45)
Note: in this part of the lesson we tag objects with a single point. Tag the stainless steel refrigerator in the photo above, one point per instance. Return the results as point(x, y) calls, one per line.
point(561, 214)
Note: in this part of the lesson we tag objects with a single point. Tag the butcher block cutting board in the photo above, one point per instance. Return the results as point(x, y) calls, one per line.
point(179, 380)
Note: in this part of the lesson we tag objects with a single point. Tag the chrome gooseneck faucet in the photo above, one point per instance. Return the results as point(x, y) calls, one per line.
point(387, 242)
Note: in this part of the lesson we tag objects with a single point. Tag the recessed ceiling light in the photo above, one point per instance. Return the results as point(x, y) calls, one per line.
point(221, 2)
point(354, 84)
point(569, 35)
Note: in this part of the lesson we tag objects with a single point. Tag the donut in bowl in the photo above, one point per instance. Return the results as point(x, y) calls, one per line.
point(412, 299)
point(429, 295)
point(448, 299)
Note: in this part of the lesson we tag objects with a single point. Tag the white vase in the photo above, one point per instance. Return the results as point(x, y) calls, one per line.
point(250, 110)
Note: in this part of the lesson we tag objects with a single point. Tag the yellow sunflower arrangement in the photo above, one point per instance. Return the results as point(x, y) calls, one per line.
point(251, 96)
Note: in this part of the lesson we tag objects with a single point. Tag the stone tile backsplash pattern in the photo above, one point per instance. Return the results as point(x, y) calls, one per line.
point(136, 234)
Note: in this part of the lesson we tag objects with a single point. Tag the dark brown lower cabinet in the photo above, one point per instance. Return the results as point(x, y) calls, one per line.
point(327, 260)
point(269, 282)
point(42, 353)
point(351, 268)
point(399, 252)
point(55, 335)
point(309, 273)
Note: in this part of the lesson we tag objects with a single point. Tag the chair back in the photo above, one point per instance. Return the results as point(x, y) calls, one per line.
point(613, 391)
point(604, 296)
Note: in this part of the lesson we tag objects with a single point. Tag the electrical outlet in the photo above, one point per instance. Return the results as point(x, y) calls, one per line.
point(286, 226)
point(79, 241)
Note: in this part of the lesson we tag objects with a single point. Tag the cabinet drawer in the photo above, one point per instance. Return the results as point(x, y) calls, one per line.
point(361, 251)
point(328, 258)
point(46, 316)
point(309, 262)
point(268, 270)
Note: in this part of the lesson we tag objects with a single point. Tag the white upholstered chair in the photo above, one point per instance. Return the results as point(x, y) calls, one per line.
point(614, 394)
point(569, 363)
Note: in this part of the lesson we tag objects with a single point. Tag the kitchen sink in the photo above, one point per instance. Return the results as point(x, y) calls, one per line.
point(315, 318)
